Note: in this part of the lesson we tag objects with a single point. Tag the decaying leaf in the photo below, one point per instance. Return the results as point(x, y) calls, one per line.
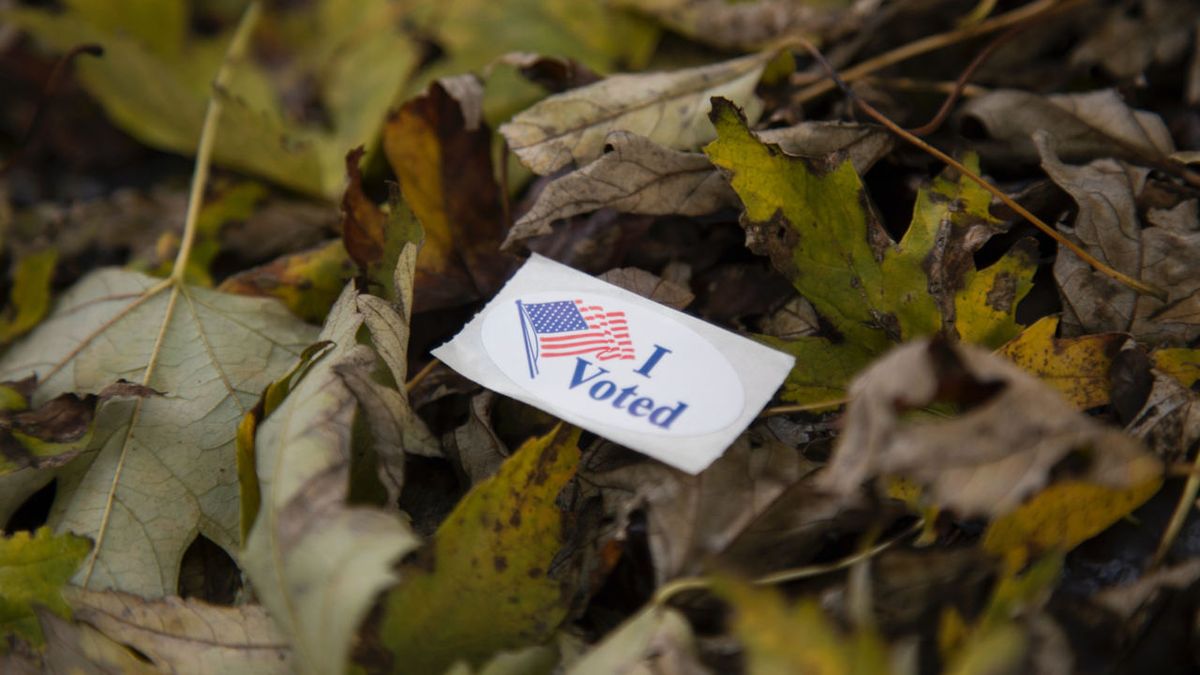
point(79, 648)
point(376, 238)
point(29, 295)
point(1001, 447)
point(160, 468)
point(1085, 126)
point(34, 568)
point(801, 639)
point(186, 636)
point(693, 518)
point(307, 282)
point(668, 108)
point(655, 640)
point(1163, 251)
point(316, 562)
point(55, 432)
point(441, 153)
point(634, 175)
point(354, 49)
point(1077, 367)
point(649, 286)
point(812, 219)
point(744, 26)
point(492, 577)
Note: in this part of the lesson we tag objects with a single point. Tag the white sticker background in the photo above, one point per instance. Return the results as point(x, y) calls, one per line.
point(682, 393)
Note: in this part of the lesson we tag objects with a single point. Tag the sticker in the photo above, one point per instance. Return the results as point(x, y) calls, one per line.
point(627, 368)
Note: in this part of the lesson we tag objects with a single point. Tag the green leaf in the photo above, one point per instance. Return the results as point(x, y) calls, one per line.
point(487, 581)
point(33, 569)
point(812, 218)
point(159, 469)
point(29, 299)
point(354, 51)
point(317, 563)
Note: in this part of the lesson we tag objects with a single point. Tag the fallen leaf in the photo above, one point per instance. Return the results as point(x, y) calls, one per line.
point(1077, 367)
point(1163, 252)
point(179, 635)
point(152, 43)
point(34, 568)
point(1061, 517)
point(667, 108)
point(991, 457)
point(491, 578)
point(474, 444)
point(649, 286)
point(54, 433)
point(159, 470)
point(474, 33)
point(1169, 420)
point(1126, 44)
point(745, 26)
point(78, 648)
point(801, 639)
point(29, 295)
point(317, 563)
point(1180, 363)
point(690, 519)
point(655, 640)
point(1085, 126)
point(308, 282)
point(634, 175)
point(441, 154)
point(812, 219)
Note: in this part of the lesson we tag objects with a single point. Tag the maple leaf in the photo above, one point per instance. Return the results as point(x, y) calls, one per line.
point(813, 220)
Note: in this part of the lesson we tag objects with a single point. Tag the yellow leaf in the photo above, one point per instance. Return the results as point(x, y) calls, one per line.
point(488, 580)
point(1077, 367)
point(1181, 364)
point(1063, 516)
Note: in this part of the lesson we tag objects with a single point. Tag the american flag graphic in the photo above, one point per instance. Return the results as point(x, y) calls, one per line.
point(573, 328)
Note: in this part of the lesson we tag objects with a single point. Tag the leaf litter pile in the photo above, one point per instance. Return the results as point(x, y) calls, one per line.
point(232, 234)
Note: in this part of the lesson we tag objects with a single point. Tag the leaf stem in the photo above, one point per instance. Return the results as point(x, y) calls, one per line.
point(208, 138)
point(804, 407)
point(677, 586)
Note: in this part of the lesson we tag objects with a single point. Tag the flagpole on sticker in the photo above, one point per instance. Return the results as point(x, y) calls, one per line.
point(530, 357)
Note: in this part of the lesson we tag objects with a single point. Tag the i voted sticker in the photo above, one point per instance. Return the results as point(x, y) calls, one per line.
point(614, 362)
point(624, 367)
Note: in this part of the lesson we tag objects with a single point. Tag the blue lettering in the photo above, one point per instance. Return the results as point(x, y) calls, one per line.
point(664, 416)
point(602, 390)
point(659, 352)
point(580, 367)
point(640, 407)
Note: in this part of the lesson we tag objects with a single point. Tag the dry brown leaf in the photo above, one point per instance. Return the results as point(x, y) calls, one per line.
point(692, 518)
point(1085, 126)
point(743, 26)
point(669, 108)
point(1163, 252)
point(1012, 431)
point(652, 286)
point(635, 175)
point(180, 635)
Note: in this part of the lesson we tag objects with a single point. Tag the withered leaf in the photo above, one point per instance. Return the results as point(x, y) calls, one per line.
point(441, 153)
point(1163, 251)
point(1011, 431)
point(668, 108)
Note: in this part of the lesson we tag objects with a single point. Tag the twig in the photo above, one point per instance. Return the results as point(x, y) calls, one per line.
point(1083, 255)
point(677, 586)
point(934, 42)
point(1182, 510)
point(803, 407)
point(421, 374)
point(981, 58)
